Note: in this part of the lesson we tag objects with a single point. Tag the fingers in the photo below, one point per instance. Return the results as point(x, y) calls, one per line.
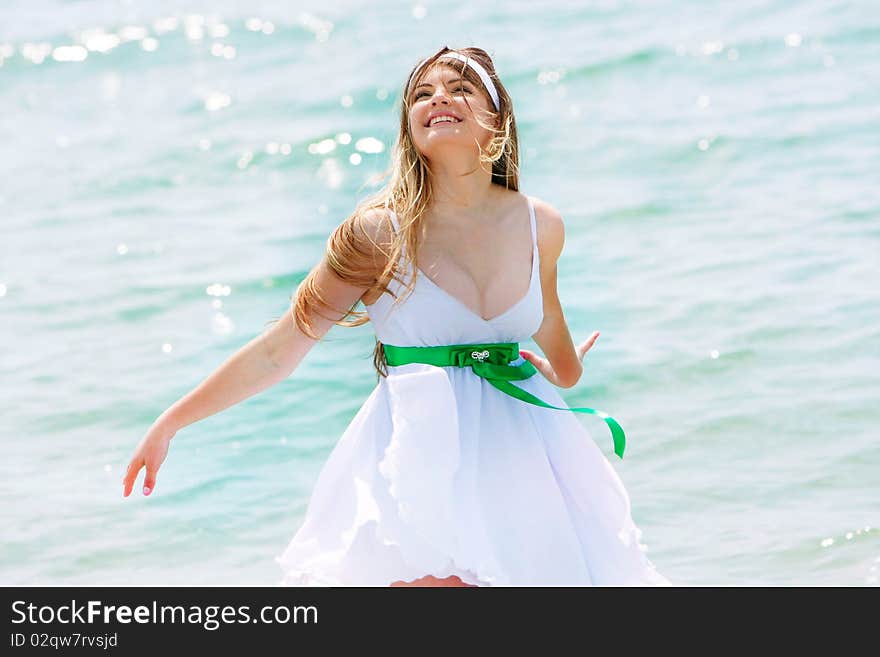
point(150, 480)
point(587, 344)
point(534, 359)
point(131, 473)
point(541, 364)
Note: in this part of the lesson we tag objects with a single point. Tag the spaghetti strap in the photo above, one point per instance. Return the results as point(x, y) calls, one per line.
point(534, 226)
point(393, 216)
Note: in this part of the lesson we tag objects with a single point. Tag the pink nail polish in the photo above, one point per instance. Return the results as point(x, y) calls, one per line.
point(147, 490)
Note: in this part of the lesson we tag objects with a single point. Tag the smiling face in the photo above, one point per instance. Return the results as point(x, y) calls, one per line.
point(441, 90)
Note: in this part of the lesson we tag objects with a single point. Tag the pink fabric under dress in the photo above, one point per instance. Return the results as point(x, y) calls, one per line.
point(441, 474)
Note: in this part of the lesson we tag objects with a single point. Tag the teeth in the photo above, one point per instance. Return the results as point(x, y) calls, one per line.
point(440, 119)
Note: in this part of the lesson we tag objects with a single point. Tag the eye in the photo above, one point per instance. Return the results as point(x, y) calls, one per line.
point(457, 88)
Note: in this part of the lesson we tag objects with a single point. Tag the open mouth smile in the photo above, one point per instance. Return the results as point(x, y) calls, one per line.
point(447, 119)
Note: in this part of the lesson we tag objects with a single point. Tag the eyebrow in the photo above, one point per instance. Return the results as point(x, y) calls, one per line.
point(427, 84)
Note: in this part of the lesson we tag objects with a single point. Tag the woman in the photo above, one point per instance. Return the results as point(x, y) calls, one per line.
point(449, 474)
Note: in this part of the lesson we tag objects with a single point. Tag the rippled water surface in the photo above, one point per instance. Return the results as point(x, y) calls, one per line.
point(171, 171)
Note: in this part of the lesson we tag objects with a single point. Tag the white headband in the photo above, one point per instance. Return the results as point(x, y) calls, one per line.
point(474, 64)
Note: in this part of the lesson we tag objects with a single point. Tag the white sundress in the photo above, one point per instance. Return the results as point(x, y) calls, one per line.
point(439, 473)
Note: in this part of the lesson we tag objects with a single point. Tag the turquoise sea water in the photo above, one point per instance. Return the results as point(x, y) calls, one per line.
point(171, 171)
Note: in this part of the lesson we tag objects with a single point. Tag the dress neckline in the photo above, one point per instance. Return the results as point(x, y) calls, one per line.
point(532, 275)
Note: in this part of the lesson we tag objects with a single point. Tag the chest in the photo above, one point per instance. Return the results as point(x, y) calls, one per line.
point(487, 268)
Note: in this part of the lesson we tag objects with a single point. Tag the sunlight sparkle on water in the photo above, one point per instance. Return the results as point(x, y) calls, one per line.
point(133, 33)
point(99, 41)
point(712, 47)
point(320, 28)
point(331, 173)
point(193, 25)
point(36, 52)
point(369, 145)
point(217, 100)
point(69, 54)
point(322, 147)
point(218, 290)
point(221, 324)
point(167, 24)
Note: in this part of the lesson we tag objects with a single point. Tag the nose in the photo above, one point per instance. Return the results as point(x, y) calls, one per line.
point(445, 96)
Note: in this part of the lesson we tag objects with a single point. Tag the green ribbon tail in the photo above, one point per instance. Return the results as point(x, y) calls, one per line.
point(616, 430)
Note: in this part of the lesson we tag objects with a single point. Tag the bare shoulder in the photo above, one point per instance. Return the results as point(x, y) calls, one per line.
point(371, 235)
point(373, 229)
point(550, 230)
point(364, 240)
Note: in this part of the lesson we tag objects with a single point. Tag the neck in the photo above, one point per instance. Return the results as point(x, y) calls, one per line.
point(461, 187)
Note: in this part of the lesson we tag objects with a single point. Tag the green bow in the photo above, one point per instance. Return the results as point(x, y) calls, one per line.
point(491, 361)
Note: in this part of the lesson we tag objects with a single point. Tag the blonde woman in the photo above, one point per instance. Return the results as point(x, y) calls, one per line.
point(464, 466)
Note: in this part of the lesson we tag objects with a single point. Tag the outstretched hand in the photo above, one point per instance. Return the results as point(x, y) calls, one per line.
point(149, 454)
point(543, 365)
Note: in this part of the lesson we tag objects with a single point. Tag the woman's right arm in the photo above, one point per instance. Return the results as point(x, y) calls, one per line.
point(264, 361)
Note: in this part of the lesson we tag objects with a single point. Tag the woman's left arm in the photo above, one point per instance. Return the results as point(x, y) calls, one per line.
point(562, 365)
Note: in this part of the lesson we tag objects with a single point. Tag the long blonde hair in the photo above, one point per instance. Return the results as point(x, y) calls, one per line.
point(409, 194)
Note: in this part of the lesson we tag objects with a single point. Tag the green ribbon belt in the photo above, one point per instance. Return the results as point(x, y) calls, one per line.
point(491, 361)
